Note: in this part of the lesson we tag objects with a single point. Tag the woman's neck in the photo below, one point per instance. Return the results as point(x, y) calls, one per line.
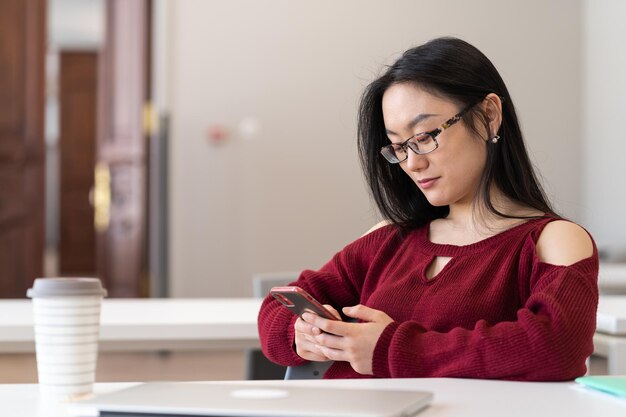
point(477, 220)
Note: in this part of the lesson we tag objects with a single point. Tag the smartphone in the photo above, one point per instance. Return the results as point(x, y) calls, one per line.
point(299, 301)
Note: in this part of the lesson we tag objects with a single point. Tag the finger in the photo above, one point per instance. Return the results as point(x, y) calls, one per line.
point(307, 319)
point(312, 353)
point(362, 312)
point(316, 357)
point(330, 340)
point(302, 326)
point(333, 311)
point(312, 356)
point(334, 354)
point(335, 327)
point(308, 350)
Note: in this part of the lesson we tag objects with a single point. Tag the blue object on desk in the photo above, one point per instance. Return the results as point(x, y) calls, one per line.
point(615, 385)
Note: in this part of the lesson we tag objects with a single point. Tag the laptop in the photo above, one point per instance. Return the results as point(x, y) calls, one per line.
point(250, 399)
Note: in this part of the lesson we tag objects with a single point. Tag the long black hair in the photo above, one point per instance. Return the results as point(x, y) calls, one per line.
point(454, 69)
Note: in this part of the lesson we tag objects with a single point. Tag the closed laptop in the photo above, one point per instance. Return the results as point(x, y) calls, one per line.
point(250, 399)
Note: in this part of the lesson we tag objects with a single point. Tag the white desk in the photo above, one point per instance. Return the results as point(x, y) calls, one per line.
point(230, 323)
point(610, 338)
point(612, 315)
point(453, 397)
point(612, 278)
point(150, 324)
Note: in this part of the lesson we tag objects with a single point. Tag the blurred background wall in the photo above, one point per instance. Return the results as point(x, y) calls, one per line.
point(262, 100)
point(283, 190)
point(603, 141)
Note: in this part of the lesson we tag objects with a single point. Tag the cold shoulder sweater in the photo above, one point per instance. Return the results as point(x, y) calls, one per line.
point(494, 311)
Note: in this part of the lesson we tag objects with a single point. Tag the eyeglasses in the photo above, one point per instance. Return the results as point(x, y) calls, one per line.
point(420, 143)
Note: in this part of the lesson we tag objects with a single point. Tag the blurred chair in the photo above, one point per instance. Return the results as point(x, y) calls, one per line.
point(309, 370)
point(257, 365)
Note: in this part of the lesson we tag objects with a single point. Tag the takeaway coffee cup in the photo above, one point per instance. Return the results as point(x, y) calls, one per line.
point(67, 327)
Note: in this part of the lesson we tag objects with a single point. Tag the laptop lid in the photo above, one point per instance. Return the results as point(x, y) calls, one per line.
point(250, 399)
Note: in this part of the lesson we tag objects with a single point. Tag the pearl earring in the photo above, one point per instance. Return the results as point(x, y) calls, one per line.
point(495, 139)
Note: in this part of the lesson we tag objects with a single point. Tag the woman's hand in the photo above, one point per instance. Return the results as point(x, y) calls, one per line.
point(350, 342)
point(306, 345)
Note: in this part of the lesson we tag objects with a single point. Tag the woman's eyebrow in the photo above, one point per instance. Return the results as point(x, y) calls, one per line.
point(416, 120)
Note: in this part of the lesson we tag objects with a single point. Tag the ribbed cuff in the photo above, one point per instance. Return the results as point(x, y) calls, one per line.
point(291, 337)
point(380, 359)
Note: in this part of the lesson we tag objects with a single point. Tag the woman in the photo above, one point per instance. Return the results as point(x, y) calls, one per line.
point(472, 274)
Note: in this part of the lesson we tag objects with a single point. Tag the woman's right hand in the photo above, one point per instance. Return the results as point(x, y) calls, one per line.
point(306, 346)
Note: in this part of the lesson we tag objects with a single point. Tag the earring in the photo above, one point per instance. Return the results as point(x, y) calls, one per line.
point(495, 139)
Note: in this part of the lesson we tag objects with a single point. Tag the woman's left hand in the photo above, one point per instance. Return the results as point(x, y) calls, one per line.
point(351, 342)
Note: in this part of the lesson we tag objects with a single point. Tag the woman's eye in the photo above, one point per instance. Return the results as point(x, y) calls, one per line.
point(423, 139)
point(399, 149)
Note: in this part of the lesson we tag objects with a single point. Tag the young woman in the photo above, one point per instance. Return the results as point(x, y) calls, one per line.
point(472, 274)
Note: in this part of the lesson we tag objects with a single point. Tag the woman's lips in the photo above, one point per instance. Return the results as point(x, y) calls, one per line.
point(427, 182)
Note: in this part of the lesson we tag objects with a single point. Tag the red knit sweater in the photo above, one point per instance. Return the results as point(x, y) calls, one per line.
point(494, 311)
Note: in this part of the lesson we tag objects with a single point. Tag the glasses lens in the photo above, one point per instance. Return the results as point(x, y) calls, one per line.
point(393, 153)
point(422, 144)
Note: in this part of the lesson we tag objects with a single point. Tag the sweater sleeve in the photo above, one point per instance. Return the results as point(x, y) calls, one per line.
point(338, 283)
point(550, 339)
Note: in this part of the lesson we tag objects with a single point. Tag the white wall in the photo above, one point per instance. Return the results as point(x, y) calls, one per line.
point(292, 195)
point(604, 140)
point(75, 24)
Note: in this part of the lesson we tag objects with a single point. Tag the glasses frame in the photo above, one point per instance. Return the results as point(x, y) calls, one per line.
point(432, 133)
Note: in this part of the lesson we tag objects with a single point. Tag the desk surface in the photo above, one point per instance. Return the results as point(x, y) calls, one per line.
point(612, 314)
point(150, 323)
point(452, 397)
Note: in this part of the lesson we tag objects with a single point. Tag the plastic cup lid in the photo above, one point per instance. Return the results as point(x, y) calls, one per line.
point(64, 287)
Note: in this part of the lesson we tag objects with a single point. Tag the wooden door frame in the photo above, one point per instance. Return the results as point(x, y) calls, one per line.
point(122, 148)
point(22, 143)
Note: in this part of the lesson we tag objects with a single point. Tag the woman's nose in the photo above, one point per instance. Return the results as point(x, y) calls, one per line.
point(416, 162)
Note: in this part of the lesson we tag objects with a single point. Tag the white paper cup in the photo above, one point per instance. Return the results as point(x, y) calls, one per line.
point(72, 368)
point(53, 339)
point(65, 360)
point(66, 330)
point(66, 314)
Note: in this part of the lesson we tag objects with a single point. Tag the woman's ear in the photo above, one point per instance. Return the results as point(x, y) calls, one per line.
point(493, 109)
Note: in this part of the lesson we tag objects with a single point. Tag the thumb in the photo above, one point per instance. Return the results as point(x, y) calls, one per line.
point(361, 312)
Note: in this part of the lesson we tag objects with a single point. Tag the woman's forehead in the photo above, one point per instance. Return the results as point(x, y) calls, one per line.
point(407, 105)
point(409, 94)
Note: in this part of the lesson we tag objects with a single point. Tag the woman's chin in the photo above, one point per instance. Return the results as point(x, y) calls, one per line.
point(437, 201)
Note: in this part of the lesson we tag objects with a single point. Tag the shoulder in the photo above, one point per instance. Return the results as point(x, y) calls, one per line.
point(563, 243)
point(380, 237)
point(377, 226)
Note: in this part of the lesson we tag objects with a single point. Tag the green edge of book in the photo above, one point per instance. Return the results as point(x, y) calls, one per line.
point(615, 385)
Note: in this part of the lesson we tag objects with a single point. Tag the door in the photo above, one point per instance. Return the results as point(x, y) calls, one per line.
point(22, 52)
point(77, 150)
